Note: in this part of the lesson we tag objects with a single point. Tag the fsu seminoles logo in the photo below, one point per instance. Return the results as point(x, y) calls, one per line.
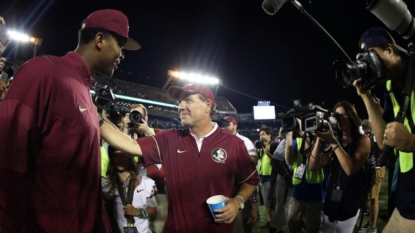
point(219, 155)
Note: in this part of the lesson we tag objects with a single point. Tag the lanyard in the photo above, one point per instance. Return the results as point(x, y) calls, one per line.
point(129, 200)
point(340, 166)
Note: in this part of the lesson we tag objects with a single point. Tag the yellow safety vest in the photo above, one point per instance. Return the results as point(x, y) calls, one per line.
point(266, 167)
point(405, 158)
point(312, 177)
point(104, 162)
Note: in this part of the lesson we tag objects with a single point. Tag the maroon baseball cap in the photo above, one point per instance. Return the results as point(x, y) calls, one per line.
point(114, 21)
point(176, 92)
point(230, 119)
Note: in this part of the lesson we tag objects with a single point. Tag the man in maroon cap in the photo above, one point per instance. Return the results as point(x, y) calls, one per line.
point(49, 154)
point(200, 161)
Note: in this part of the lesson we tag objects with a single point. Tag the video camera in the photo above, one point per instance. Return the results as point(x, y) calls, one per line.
point(313, 119)
point(105, 99)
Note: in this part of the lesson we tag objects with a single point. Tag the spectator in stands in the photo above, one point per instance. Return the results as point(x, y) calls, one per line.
point(249, 216)
point(123, 179)
point(349, 150)
point(56, 156)
point(265, 148)
point(308, 186)
point(200, 161)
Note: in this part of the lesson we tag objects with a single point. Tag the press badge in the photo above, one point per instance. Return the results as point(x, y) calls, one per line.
point(130, 230)
point(336, 195)
point(300, 172)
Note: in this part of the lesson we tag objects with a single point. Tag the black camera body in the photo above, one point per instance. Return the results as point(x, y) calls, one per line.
point(104, 99)
point(316, 123)
point(368, 66)
point(260, 143)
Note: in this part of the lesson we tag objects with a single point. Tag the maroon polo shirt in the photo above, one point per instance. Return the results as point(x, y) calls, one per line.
point(192, 176)
point(49, 153)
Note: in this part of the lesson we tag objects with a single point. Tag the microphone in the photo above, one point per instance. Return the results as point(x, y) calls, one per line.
point(272, 6)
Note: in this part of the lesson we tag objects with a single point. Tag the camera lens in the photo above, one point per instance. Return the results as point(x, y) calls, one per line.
point(136, 117)
point(394, 14)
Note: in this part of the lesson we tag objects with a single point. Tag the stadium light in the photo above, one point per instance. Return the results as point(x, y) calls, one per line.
point(21, 37)
point(195, 78)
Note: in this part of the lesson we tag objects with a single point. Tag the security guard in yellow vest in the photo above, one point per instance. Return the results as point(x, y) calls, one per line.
point(394, 134)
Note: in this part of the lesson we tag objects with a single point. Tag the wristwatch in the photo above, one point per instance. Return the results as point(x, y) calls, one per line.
point(241, 201)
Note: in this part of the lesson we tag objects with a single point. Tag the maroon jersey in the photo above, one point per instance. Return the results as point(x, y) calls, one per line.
point(192, 177)
point(49, 153)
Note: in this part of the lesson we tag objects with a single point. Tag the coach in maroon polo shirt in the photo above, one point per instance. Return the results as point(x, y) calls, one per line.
point(49, 134)
point(200, 161)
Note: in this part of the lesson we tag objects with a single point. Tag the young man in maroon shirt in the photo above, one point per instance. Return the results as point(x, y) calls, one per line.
point(49, 153)
point(200, 161)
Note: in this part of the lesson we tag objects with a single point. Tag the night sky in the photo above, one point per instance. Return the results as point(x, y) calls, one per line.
point(278, 58)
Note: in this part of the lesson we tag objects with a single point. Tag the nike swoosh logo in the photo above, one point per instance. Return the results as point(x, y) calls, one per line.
point(82, 109)
point(140, 190)
point(181, 151)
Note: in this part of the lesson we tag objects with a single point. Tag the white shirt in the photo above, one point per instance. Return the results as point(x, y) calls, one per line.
point(248, 144)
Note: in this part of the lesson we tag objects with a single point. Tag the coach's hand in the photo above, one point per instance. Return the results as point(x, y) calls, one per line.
point(229, 212)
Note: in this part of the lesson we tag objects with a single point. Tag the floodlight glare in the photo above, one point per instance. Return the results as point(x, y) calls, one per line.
point(19, 36)
point(196, 78)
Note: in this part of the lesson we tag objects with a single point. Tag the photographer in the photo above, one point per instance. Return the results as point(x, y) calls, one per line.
point(308, 185)
point(346, 183)
point(394, 134)
point(265, 148)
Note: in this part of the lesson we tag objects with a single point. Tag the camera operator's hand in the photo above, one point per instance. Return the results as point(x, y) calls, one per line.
point(360, 92)
point(2, 60)
point(143, 128)
point(398, 137)
point(265, 146)
point(328, 136)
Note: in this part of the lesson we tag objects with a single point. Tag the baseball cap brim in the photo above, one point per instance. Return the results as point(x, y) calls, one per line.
point(178, 92)
point(131, 44)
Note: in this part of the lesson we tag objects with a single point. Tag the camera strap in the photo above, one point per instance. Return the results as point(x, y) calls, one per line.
point(407, 91)
point(129, 200)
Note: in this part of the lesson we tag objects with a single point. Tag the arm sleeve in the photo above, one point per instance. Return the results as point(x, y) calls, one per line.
point(246, 172)
point(151, 147)
point(23, 120)
point(279, 153)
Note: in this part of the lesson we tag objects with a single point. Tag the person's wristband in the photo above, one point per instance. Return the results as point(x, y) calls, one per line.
point(148, 132)
point(335, 147)
point(143, 215)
